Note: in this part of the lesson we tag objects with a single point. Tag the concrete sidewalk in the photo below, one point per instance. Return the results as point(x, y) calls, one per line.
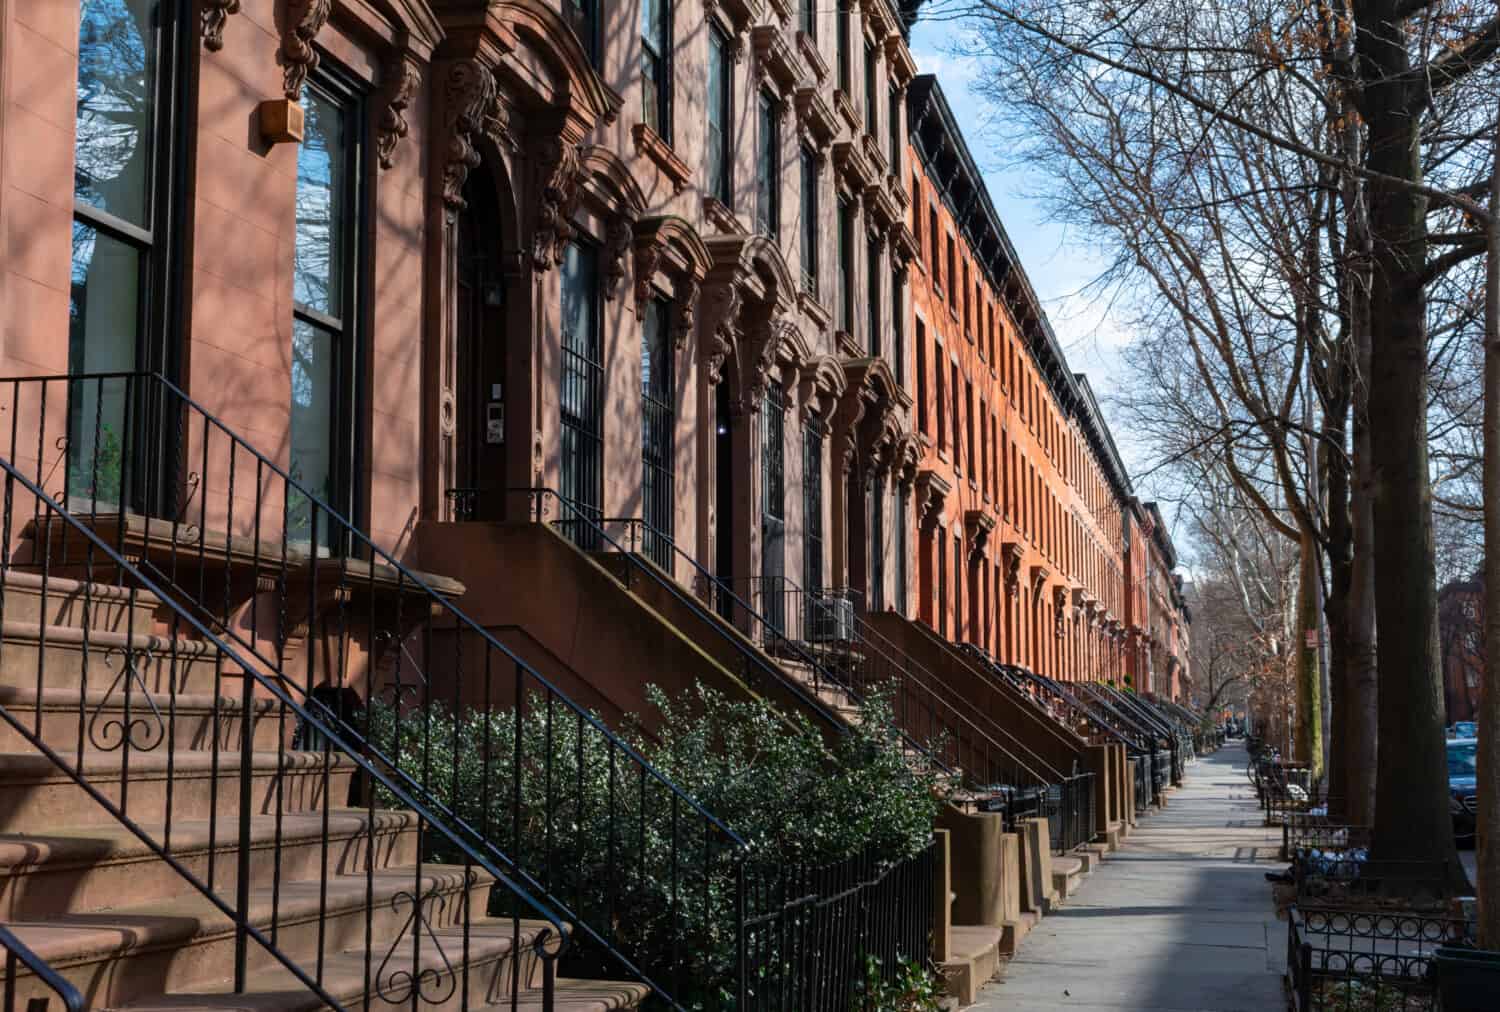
point(1179, 919)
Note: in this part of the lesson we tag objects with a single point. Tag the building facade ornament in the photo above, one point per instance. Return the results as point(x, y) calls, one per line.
point(304, 20)
point(212, 17)
point(405, 78)
point(558, 179)
point(468, 94)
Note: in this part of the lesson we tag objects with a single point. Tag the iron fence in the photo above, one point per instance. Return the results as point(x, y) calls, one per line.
point(368, 679)
point(1304, 831)
point(1070, 812)
point(1340, 959)
point(1348, 880)
point(1141, 768)
point(810, 930)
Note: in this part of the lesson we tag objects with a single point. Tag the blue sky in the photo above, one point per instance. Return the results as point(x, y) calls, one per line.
point(1059, 264)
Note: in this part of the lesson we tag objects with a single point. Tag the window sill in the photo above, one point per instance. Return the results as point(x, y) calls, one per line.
point(808, 46)
point(721, 216)
point(655, 147)
point(814, 309)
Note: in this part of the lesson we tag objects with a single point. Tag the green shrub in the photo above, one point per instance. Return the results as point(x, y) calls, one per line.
point(619, 852)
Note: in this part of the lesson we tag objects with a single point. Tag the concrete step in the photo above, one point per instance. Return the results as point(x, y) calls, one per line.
point(34, 792)
point(131, 952)
point(59, 601)
point(92, 868)
point(975, 953)
point(1068, 873)
point(66, 657)
point(58, 717)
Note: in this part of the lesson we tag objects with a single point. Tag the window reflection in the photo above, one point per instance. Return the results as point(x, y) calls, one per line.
point(116, 81)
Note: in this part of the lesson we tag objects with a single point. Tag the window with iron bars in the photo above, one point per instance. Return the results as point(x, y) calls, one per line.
point(657, 417)
point(582, 479)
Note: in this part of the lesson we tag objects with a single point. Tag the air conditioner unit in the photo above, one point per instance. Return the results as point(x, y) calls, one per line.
point(830, 619)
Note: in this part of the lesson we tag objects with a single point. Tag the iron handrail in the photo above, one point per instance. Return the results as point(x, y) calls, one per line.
point(1097, 692)
point(353, 543)
point(1056, 691)
point(18, 953)
point(252, 676)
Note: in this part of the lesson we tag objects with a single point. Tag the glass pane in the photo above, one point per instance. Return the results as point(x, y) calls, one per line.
point(116, 91)
point(322, 196)
point(314, 366)
point(103, 315)
point(653, 24)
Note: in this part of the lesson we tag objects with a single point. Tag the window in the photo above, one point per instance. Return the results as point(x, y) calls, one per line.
point(841, 17)
point(123, 170)
point(942, 581)
point(773, 503)
point(903, 510)
point(872, 307)
point(934, 251)
point(957, 391)
point(808, 18)
point(768, 167)
point(582, 391)
point(720, 117)
point(846, 267)
point(922, 378)
point(898, 327)
point(953, 274)
point(968, 331)
point(941, 400)
point(323, 311)
point(583, 15)
point(969, 426)
point(984, 450)
point(809, 223)
point(877, 544)
point(657, 417)
point(656, 66)
point(812, 507)
point(872, 107)
point(893, 123)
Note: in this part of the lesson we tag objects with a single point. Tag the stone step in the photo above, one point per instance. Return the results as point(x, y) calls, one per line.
point(34, 792)
point(93, 868)
point(54, 716)
point(66, 657)
point(350, 975)
point(131, 952)
point(1068, 873)
point(60, 601)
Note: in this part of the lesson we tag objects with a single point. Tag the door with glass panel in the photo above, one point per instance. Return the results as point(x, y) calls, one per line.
point(481, 350)
point(120, 305)
point(324, 293)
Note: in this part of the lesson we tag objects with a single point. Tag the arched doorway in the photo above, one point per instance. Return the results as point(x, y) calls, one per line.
point(481, 382)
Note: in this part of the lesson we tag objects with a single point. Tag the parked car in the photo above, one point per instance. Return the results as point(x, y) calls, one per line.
point(1461, 787)
point(1464, 729)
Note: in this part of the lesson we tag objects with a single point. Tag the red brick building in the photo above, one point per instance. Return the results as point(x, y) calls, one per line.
point(1461, 644)
point(1024, 513)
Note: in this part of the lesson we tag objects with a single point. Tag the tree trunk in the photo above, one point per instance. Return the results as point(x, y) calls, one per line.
point(1361, 751)
point(1336, 611)
point(1412, 821)
point(1309, 671)
point(1488, 835)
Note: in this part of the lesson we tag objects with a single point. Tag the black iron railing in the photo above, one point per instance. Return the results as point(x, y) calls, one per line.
point(810, 931)
point(1140, 767)
point(1302, 832)
point(1071, 818)
point(510, 773)
point(1339, 959)
point(119, 712)
point(1348, 878)
point(18, 955)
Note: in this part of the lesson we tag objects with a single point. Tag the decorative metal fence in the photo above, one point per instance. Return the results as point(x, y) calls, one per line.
point(1340, 959)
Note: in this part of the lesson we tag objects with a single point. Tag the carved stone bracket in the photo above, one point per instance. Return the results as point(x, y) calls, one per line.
point(468, 95)
point(720, 337)
point(1012, 554)
point(932, 491)
point(978, 524)
point(212, 17)
point(1060, 609)
point(559, 178)
point(670, 245)
point(1039, 574)
point(405, 77)
point(304, 20)
point(616, 244)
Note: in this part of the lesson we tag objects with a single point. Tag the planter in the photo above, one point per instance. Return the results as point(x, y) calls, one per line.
point(1468, 980)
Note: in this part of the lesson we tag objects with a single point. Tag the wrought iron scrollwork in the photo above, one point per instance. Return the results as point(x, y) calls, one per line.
point(398, 984)
point(109, 733)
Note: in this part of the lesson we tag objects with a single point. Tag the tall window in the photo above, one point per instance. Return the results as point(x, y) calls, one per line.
point(922, 377)
point(768, 168)
point(582, 391)
point(934, 251)
point(720, 117)
point(812, 507)
point(118, 312)
point(968, 331)
point(656, 66)
point(903, 511)
point(808, 18)
point(809, 223)
point(941, 400)
point(846, 267)
point(969, 427)
point(941, 543)
point(583, 15)
point(657, 493)
point(872, 306)
point(893, 123)
point(323, 293)
point(872, 116)
point(877, 544)
point(952, 274)
point(898, 328)
point(957, 392)
point(841, 40)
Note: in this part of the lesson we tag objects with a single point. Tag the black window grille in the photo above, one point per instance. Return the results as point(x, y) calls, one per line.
point(773, 505)
point(812, 507)
point(657, 418)
point(582, 479)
